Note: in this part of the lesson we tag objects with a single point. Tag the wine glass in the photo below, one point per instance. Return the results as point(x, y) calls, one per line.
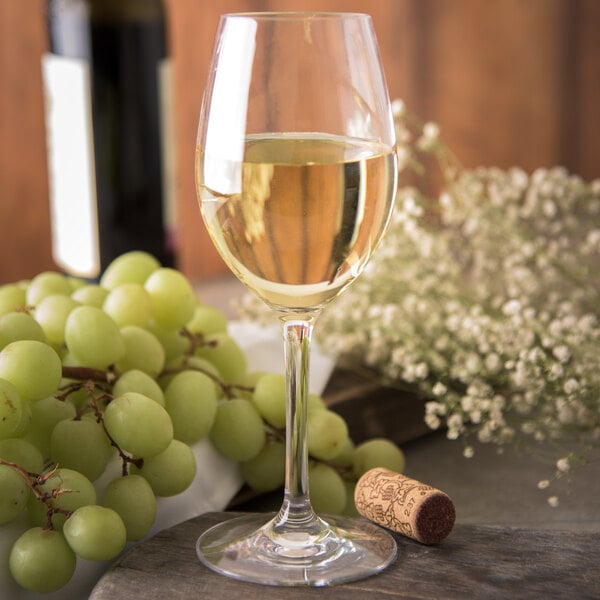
point(296, 177)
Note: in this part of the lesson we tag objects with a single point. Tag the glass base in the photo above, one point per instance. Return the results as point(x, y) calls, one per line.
point(340, 549)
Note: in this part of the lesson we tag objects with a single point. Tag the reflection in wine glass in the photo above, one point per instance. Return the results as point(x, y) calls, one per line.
point(296, 175)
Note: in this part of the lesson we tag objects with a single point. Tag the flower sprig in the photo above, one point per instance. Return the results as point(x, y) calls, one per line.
point(485, 301)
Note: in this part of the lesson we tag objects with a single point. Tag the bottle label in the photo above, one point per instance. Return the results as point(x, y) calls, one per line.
point(167, 132)
point(72, 185)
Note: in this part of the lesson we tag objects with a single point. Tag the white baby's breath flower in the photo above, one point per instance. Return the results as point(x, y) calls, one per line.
point(562, 353)
point(512, 307)
point(555, 372)
point(468, 452)
point(432, 421)
point(398, 108)
point(487, 304)
point(571, 386)
point(431, 130)
point(439, 389)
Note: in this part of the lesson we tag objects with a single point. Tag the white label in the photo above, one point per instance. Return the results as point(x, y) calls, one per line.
point(72, 179)
point(167, 133)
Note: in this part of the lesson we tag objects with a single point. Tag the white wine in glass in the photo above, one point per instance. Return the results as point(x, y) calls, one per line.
point(296, 176)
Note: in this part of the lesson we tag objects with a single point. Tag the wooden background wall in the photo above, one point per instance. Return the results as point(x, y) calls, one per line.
point(510, 82)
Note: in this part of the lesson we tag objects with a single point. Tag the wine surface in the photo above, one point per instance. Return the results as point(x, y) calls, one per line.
point(300, 215)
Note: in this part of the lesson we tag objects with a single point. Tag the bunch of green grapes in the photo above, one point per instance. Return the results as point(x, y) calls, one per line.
point(136, 368)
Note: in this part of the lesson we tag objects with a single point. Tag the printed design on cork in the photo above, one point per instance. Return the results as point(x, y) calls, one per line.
point(405, 505)
point(390, 500)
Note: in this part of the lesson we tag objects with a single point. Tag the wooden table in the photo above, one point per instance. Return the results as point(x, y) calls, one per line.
point(507, 541)
point(475, 561)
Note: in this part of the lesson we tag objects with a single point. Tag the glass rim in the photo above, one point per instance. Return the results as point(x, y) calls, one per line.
point(296, 14)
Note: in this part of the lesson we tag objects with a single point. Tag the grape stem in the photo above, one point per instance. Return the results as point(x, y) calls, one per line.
point(88, 373)
point(125, 458)
point(196, 340)
point(92, 378)
point(274, 433)
point(34, 480)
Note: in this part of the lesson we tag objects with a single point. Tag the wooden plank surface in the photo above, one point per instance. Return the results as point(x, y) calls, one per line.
point(473, 562)
point(371, 410)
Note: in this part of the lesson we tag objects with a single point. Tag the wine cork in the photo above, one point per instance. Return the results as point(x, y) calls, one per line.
point(405, 505)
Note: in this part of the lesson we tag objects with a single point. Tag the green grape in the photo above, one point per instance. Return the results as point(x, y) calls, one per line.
point(76, 282)
point(316, 402)
point(77, 490)
point(95, 532)
point(238, 431)
point(266, 471)
point(269, 398)
point(128, 304)
point(345, 457)
point(78, 395)
point(11, 409)
point(33, 367)
point(172, 341)
point(143, 351)
point(173, 298)
point(131, 267)
point(135, 380)
point(44, 284)
point(12, 297)
point(14, 496)
point(207, 320)
point(138, 424)
point(41, 560)
point(51, 313)
point(189, 363)
point(197, 363)
point(22, 453)
point(327, 434)
point(90, 295)
point(132, 498)
point(25, 421)
point(247, 385)
point(350, 508)
point(170, 472)
point(16, 326)
point(226, 355)
point(377, 452)
point(191, 401)
point(45, 414)
point(251, 378)
point(81, 445)
point(327, 489)
point(93, 338)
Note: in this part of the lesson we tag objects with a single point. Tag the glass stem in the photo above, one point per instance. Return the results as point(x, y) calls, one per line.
point(296, 513)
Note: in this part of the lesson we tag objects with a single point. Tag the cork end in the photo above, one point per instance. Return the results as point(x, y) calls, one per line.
point(434, 519)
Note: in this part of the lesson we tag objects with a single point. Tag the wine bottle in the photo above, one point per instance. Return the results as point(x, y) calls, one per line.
point(109, 132)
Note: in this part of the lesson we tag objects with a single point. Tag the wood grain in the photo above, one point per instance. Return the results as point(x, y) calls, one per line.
point(371, 410)
point(474, 562)
point(24, 210)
